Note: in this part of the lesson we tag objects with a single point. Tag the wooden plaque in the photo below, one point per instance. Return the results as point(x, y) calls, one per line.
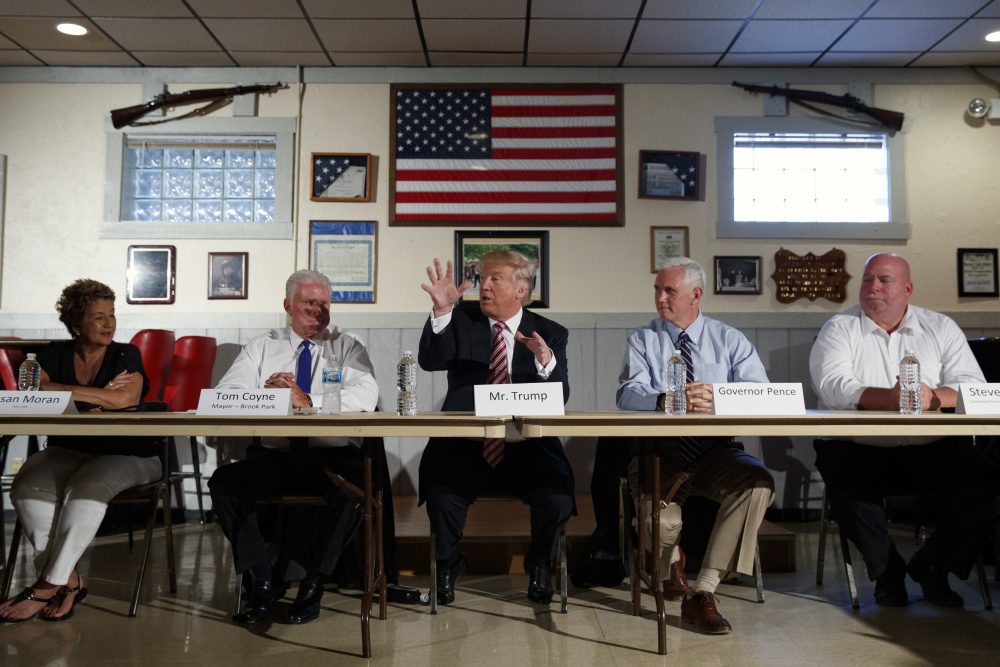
point(810, 276)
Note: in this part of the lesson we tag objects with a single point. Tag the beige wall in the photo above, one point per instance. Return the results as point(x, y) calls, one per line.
point(54, 137)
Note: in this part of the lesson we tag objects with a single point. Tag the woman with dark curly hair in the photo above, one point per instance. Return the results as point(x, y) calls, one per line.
point(61, 493)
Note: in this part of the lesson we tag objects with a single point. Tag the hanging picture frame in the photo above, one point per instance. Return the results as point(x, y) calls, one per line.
point(150, 275)
point(344, 177)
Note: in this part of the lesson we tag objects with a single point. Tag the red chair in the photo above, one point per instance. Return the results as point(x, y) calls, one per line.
point(10, 362)
point(157, 349)
point(190, 372)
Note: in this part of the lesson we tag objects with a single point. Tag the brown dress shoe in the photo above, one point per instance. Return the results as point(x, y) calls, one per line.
point(699, 611)
point(676, 586)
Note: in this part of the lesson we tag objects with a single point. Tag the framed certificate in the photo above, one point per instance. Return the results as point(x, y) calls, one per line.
point(666, 242)
point(345, 251)
point(977, 272)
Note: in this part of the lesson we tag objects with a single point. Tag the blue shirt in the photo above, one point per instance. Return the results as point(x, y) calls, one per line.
point(719, 353)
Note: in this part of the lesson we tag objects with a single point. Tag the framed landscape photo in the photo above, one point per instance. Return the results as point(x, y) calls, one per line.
point(471, 245)
point(977, 272)
point(341, 177)
point(151, 274)
point(670, 175)
point(737, 275)
point(227, 275)
point(665, 242)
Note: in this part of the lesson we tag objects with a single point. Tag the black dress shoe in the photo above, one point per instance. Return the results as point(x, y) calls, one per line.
point(608, 572)
point(933, 580)
point(306, 605)
point(447, 577)
point(540, 585)
point(890, 591)
point(259, 605)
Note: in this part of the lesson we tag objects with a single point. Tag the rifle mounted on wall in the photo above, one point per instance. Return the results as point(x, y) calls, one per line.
point(216, 98)
point(891, 120)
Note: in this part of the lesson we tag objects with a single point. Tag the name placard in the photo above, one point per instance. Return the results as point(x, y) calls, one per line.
point(520, 400)
point(37, 403)
point(753, 398)
point(978, 398)
point(257, 402)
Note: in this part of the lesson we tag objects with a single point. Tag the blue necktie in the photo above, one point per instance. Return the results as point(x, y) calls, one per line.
point(304, 373)
point(684, 345)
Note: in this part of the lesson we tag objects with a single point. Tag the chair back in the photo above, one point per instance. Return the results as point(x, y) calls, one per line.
point(157, 349)
point(190, 372)
point(10, 362)
point(987, 353)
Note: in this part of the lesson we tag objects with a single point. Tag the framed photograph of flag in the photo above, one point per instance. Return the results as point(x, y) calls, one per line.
point(471, 245)
point(670, 175)
point(506, 155)
point(341, 177)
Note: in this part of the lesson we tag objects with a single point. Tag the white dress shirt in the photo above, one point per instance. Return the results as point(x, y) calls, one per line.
point(278, 352)
point(852, 353)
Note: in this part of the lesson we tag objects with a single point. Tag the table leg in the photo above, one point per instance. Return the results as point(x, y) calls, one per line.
point(366, 600)
point(655, 575)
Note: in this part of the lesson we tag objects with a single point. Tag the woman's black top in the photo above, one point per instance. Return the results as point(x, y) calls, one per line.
point(57, 360)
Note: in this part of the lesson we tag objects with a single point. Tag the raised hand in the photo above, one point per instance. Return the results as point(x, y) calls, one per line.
point(542, 352)
point(444, 293)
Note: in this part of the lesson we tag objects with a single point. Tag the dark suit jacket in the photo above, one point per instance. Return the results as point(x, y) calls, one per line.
point(463, 350)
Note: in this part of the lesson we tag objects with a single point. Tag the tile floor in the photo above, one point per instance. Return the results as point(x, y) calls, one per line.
point(492, 623)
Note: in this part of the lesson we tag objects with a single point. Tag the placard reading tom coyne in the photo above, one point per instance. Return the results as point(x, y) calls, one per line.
point(256, 402)
point(534, 399)
point(758, 398)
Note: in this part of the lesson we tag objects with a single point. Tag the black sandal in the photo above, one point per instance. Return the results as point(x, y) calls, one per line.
point(64, 592)
point(28, 594)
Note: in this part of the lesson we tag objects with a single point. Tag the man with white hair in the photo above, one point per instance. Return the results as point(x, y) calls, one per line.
point(716, 468)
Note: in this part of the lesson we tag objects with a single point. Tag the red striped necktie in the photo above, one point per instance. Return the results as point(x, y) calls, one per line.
point(493, 447)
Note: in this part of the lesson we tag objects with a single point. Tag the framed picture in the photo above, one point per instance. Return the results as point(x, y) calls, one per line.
point(341, 177)
point(471, 245)
point(667, 242)
point(228, 275)
point(977, 272)
point(526, 154)
point(737, 275)
point(345, 251)
point(670, 175)
point(151, 274)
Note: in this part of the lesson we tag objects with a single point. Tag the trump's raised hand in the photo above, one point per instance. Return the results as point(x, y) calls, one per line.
point(444, 293)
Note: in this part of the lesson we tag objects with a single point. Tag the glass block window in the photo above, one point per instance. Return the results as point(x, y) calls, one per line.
point(200, 179)
point(793, 177)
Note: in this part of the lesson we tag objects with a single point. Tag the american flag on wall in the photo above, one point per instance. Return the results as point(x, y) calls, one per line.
point(546, 155)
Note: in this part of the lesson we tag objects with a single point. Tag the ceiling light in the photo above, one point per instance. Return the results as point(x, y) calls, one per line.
point(993, 36)
point(74, 29)
point(978, 107)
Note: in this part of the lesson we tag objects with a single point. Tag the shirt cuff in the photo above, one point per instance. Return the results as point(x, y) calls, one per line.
point(439, 324)
point(545, 371)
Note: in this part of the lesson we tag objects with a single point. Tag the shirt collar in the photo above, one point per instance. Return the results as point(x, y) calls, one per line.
point(513, 323)
point(910, 323)
point(694, 330)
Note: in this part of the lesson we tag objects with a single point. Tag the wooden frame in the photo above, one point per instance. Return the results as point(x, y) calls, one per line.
point(341, 177)
point(470, 245)
point(347, 253)
point(666, 242)
point(557, 172)
point(670, 175)
point(228, 275)
point(977, 272)
point(737, 274)
point(151, 274)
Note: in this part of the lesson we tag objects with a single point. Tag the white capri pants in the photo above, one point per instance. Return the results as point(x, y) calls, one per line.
point(61, 496)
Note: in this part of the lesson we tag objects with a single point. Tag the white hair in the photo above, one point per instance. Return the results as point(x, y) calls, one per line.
point(305, 277)
point(694, 275)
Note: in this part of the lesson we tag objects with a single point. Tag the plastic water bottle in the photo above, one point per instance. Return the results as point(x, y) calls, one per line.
point(676, 380)
point(29, 376)
point(406, 385)
point(909, 385)
point(333, 382)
